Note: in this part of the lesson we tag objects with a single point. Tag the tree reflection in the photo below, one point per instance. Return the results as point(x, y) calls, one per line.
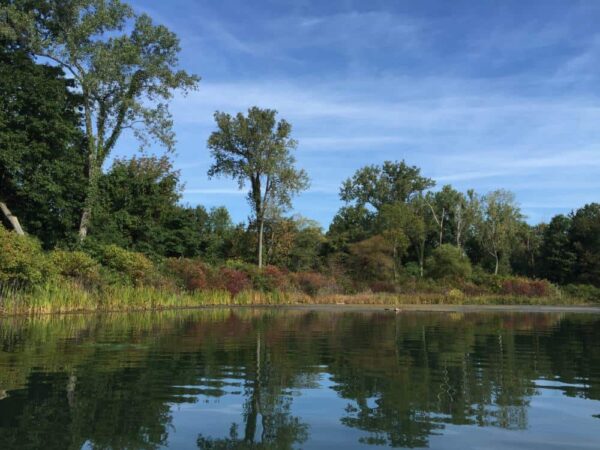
point(112, 383)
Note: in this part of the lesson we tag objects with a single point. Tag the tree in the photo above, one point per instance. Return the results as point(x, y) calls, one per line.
point(464, 214)
point(585, 237)
point(497, 229)
point(351, 224)
point(557, 256)
point(371, 259)
point(448, 261)
point(139, 198)
point(379, 185)
point(394, 223)
point(256, 149)
point(445, 206)
point(124, 77)
point(41, 157)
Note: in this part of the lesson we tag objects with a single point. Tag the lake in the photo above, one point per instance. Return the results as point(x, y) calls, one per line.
point(298, 378)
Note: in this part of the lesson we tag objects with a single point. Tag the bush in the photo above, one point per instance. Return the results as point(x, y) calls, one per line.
point(275, 279)
point(191, 272)
point(133, 267)
point(232, 280)
point(382, 287)
point(447, 261)
point(22, 261)
point(585, 292)
point(76, 265)
point(455, 294)
point(313, 283)
point(525, 287)
point(486, 280)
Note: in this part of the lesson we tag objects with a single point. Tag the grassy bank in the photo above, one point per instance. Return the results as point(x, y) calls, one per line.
point(110, 278)
point(65, 297)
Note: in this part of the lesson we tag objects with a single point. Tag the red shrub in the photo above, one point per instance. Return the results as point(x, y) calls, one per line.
point(526, 287)
point(232, 280)
point(383, 286)
point(275, 278)
point(192, 273)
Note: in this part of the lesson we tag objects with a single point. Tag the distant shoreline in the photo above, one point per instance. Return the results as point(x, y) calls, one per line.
point(334, 307)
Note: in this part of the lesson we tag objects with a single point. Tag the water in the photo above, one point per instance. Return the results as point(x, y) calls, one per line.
point(282, 379)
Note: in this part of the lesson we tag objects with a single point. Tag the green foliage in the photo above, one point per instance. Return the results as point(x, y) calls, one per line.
point(371, 259)
point(41, 147)
point(256, 149)
point(448, 261)
point(139, 199)
point(557, 253)
point(22, 261)
point(76, 265)
point(124, 66)
point(132, 267)
point(499, 224)
point(585, 292)
point(380, 185)
point(584, 235)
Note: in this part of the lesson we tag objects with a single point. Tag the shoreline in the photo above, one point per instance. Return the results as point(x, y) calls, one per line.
point(336, 307)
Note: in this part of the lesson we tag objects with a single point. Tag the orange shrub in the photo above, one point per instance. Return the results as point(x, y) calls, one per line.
point(275, 278)
point(525, 287)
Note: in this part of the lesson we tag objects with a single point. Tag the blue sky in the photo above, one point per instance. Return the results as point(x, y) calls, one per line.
point(481, 94)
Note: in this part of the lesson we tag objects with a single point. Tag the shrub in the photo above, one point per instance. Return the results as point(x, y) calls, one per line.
point(76, 265)
point(455, 294)
point(232, 280)
point(132, 266)
point(383, 287)
point(447, 261)
point(313, 283)
point(585, 292)
point(192, 273)
point(486, 280)
point(526, 287)
point(275, 279)
point(22, 261)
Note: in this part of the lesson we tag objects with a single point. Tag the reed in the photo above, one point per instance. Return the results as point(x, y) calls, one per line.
point(65, 296)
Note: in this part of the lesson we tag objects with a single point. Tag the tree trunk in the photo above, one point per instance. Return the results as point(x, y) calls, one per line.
point(12, 219)
point(90, 196)
point(261, 229)
point(497, 263)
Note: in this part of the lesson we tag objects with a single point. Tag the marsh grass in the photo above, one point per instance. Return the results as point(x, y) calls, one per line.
point(66, 296)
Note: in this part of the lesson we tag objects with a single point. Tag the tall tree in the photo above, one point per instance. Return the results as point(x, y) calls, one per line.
point(498, 227)
point(41, 146)
point(394, 224)
point(257, 149)
point(585, 237)
point(376, 186)
point(122, 64)
point(557, 256)
point(464, 215)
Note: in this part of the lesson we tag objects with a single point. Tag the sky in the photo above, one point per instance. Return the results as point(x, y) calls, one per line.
point(480, 94)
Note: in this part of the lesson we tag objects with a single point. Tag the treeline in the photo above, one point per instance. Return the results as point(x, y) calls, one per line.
point(64, 105)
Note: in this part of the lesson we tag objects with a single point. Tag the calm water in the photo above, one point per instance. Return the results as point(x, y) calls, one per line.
point(283, 379)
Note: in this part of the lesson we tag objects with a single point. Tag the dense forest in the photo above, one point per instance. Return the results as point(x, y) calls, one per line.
point(72, 81)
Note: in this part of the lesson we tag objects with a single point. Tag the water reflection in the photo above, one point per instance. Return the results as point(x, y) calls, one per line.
point(283, 379)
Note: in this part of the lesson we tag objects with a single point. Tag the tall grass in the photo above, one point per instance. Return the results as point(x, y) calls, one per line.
point(62, 297)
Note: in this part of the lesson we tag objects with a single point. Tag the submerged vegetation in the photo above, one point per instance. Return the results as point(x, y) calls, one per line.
point(121, 239)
